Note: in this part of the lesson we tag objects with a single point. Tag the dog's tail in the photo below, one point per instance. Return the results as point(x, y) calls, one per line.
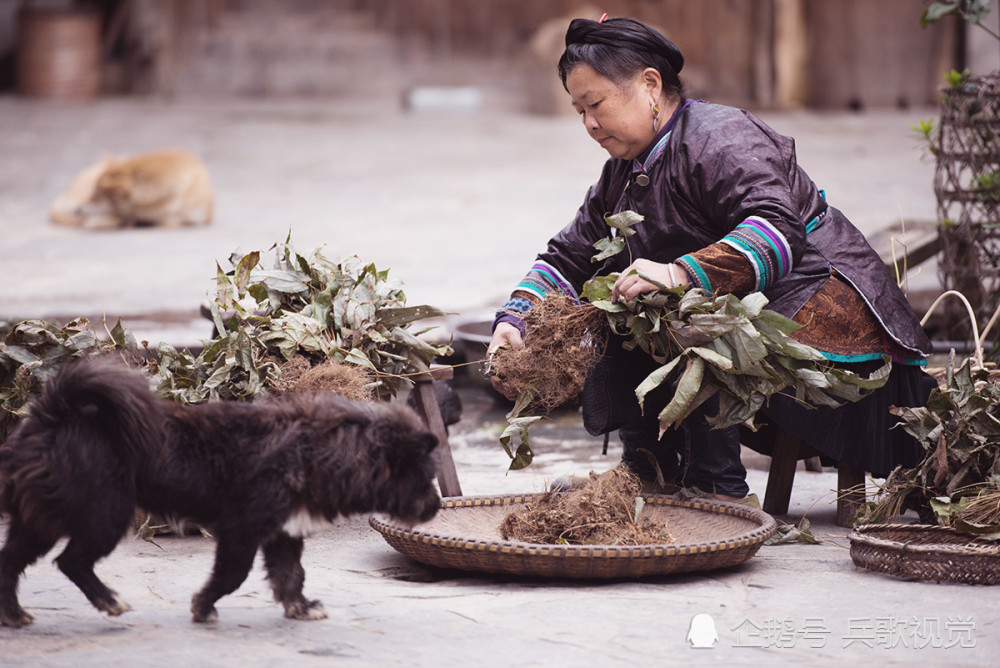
point(104, 398)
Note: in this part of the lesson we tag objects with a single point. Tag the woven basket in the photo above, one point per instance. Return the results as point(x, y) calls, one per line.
point(465, 535)
point(926, 552)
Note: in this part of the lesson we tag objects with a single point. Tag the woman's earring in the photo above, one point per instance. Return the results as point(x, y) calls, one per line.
point(655, 108)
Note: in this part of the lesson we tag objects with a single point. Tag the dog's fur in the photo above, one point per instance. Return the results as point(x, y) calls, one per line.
point(169, 188)
point(98, 442)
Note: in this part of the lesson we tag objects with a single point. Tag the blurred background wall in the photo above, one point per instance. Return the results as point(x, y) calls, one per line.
point(774, 54)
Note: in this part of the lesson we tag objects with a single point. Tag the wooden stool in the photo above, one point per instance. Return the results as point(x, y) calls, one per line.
point(427, 408)
point(788, 450)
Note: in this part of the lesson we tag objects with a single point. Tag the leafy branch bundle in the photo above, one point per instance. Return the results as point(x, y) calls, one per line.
point(32, 350)
point(307, 306)
point(302, 314)
point(957, 483)
point(725, 346)
point(706, 346)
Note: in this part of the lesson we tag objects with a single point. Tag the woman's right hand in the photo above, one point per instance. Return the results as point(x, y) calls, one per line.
point(505, 334)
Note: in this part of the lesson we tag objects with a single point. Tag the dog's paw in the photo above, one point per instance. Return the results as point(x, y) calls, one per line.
point(16, 618)
point(116, 606)
point(306, 611)
point(202, 613)
point(204, 617)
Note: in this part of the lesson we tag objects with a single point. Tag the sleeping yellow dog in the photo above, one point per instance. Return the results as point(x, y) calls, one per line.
point(169, 188)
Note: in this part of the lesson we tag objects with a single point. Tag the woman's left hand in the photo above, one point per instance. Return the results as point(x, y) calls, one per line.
point(630, 285)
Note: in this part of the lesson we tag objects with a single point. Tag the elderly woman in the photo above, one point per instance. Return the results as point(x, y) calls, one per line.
point(727, 209)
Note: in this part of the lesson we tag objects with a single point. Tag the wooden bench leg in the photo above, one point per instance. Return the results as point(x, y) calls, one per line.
point(784, 459)
point(427, 408)
point(850, 494)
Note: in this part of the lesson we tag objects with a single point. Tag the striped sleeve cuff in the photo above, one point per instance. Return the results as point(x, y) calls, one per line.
point(696, 273)
point(764, 246)
point(542, 279)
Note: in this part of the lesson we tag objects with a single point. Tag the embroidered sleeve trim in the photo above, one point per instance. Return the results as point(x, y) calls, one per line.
point(543, 278)
point(698, 276)
point(764, 246)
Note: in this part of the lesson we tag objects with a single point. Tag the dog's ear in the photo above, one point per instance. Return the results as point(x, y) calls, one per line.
point(414, 444)
point(427, 442)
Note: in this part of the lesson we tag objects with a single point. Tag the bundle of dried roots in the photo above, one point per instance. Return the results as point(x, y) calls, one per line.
point(349, 380)
point(563, 341)
point(605, 511)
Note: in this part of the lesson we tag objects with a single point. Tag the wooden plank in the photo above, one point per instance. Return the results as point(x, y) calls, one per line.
point(916, 242)
point(428, 409)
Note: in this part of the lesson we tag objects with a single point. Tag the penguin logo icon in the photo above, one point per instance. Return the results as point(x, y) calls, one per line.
point(702, 634)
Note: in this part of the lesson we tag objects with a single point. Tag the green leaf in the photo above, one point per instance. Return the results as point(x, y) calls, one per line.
point(624, 221)
point(18, 354)
point(712, 357)
point(981, 531)
point(282, 281)
point(776, 323)
point(403, 315)
point(789, 533)
point(701, 328)
point(515, 440)
point(355, 356)
point(244, 270)
point(734, 410)
point(975, 11)
point(749, 349)
point(225, 293)
point(608, 247)
point(753, 304)
point(611, 307)
point(936, 11)
point(599, 288)
point(524, 399)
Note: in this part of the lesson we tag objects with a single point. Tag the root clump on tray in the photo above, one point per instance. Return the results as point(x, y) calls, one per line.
point(605, 511)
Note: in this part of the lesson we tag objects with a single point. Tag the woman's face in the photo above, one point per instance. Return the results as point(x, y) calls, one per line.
point(618, 118)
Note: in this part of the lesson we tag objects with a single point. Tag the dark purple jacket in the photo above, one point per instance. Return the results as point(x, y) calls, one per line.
point(721, 166)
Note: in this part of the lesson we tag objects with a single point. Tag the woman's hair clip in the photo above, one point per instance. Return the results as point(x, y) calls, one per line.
point(603, 17)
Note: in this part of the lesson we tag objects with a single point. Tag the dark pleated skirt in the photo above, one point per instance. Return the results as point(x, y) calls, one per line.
point(858, 434)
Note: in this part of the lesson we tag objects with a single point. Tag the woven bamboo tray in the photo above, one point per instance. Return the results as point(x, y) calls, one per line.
point(465, 535)
point(926, 552)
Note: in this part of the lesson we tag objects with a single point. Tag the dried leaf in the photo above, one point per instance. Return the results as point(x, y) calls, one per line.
point(655, 379)
point(682, 403)
point(790, 533)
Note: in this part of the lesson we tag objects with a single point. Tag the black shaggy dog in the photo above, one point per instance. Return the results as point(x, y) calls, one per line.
point(98, 442)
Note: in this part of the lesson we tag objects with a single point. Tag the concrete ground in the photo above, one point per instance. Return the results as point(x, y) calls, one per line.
point(455, 205)
point(790, 604)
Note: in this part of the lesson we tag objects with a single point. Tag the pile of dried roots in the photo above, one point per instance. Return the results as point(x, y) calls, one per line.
point(564, 340)
point(605, 511)
point(349, 380)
